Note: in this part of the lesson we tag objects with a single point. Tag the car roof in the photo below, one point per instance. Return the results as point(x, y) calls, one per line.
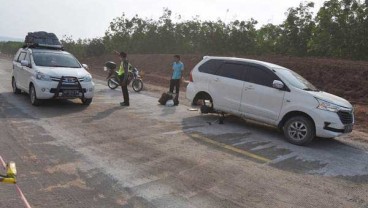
point(263, 63)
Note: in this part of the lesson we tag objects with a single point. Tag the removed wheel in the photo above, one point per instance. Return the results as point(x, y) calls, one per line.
point(86, 101)
point(299, 130)
point(112, 84)
point(14, 86)
point(137, 85)
point(33, 96)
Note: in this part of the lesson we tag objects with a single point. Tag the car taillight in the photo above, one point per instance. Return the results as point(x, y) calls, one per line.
point(191, 76)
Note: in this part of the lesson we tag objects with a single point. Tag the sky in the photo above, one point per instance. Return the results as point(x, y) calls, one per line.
point(91, 18)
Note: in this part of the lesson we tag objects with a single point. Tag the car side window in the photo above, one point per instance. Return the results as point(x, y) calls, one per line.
point(260, 76)
point(211, 66)
point(232, 71)
point(28, 58)
point(21, 57)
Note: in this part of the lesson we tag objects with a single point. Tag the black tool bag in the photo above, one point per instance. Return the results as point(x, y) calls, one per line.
point(164, 98)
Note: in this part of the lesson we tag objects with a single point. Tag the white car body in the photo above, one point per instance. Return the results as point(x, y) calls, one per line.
point(45, 79)
point(332, 116)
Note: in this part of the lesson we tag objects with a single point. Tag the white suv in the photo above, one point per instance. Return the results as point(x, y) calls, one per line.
point(51, 74)
point(270, 94)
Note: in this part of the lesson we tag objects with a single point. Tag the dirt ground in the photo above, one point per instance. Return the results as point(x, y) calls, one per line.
point(345, 78)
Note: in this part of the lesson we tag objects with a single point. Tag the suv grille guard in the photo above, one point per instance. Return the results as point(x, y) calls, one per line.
point(62, 79)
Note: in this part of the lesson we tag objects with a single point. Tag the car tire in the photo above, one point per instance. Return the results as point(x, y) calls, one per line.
point(33, 96)
point(15, 88)
point(299, 130)
point(86, 101)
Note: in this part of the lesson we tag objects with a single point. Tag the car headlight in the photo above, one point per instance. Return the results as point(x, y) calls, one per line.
point(87, 78)
point(42, 76)
point(327, 106)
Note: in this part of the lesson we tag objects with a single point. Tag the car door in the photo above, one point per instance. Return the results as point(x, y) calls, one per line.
point(226, 87)
point(260, 100)
point(18, 70)
point(25, 73)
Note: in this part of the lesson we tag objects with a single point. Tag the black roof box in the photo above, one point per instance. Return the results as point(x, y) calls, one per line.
point(42, 39)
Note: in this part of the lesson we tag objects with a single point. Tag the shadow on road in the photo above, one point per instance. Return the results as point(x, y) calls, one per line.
point(103, 114)
point(330, 157)
point(48, 108)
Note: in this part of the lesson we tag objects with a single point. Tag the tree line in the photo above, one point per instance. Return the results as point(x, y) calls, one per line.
point(339, 29)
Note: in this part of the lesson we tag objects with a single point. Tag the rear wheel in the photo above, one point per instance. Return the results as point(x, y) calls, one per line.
point(86, 101)
point(299, 130)
point(112, 84)
point(14, 86)
point(137, 85)
point(33, 96)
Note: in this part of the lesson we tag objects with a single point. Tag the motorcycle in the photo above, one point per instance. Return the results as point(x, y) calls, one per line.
point(113, 80)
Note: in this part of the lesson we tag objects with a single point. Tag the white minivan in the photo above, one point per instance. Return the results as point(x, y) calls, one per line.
point(50, 73)
point(270, 94)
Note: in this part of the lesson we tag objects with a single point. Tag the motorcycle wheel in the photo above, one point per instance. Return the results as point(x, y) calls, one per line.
point(137, 85)
point(112, 85)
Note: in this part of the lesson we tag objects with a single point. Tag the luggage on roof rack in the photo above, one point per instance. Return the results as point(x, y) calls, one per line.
point(42, 39)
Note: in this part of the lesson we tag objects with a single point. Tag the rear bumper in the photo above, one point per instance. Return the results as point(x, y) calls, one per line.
point(190, 92)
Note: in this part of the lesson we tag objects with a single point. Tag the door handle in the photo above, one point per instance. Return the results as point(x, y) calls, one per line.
point(217, 79)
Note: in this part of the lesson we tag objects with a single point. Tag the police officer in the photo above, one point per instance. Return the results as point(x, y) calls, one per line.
point(123, 76)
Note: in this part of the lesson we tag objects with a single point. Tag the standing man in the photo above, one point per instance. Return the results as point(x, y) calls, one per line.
point(123, 76)
point(178, 68)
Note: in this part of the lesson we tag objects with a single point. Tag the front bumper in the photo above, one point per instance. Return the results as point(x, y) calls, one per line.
point(331, 124)
point(48, 89)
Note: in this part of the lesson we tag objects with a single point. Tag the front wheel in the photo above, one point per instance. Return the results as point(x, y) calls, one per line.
point(112, 83)
point(86, 101)
point(299, 130)
point(137, 85)
point(33, 96)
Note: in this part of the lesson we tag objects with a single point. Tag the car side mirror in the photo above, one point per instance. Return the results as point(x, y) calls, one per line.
point(25, 63)
point(85, 66)
point(278, 84)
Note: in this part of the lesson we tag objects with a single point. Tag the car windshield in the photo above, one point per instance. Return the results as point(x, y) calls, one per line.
point(295, 79)
point(50, 59)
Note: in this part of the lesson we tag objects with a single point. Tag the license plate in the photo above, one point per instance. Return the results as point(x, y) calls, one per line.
point(348, 128)
point(71, 93)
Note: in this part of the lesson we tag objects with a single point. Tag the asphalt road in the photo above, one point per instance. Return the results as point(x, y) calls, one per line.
point(148, 155)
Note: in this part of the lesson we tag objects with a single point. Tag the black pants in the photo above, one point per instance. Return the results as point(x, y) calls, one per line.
point(174, 83)
point(124, 89)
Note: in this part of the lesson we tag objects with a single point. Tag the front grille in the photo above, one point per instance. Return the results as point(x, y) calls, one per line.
point(57, 79)
point(346, 117)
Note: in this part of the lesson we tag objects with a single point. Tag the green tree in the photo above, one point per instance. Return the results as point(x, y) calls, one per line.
point(297, 30)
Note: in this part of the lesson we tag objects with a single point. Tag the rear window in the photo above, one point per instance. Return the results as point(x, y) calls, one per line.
point(232, 71)
point(210, 66)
